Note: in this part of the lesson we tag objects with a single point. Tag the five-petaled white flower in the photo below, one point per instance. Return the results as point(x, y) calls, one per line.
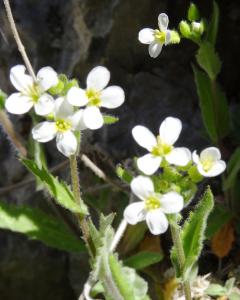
point(161, 146)
point(95, 96)
point(209, 163)
point(31, 93)
point(64, 123)
point(156, 38)
point(153, 206)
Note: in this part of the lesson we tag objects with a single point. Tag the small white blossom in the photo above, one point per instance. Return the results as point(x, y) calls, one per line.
point(209, 163)
point(64, 123)
point(31, 94)
point(153, 206)
point(95, 96)
point(161, 146)
point(156, 38)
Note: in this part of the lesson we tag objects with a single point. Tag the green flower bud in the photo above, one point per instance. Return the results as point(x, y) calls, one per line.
point(175, 37)
point(194, 174)
point(57, 89)
point(171, 174)
point(163, 186)
point(198, 27)
point(70, 84)
point(185, 29)
point(175, 188)
point(193, 13)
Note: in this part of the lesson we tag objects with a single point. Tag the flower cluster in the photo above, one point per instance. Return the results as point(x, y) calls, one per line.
point(175, 186)
point(64, 118)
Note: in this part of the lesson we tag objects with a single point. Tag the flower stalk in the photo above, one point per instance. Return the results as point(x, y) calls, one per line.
point(175, 232)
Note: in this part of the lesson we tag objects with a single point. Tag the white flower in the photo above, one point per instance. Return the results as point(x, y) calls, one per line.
point(153, 206)
point(209, 163)
point(31, 93)
point(95, 96)
point(161, 146)
point(156, 38)
point(64, 123)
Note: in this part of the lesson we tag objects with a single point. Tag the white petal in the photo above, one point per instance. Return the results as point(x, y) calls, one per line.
point(47, 78)
point(211, 153)
point(168, 37)
point(44, 132)
point(170, 129)
point(92, 117)
point(112, 97)
point(77, 96)
point(134, 213)
point(171, 203)
point(156, 221)
point(77, 120)
point(163, 22)
point(19, 79)
point(18, 104)
point(98, 78)
point(195, 157)
point(155, 49)
point(217, 169)
point(45, 105)
point(142, 187)
point(146, 36)
point(149, 163)
point(179, 156)
point(144, 137)
point(66, 143)
point(62, 109)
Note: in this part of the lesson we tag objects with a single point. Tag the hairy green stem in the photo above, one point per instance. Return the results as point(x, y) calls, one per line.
point(77, 196)
point(180, 257)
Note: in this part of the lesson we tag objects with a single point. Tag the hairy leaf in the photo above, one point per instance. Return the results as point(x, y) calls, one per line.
point(213, 104)
point(58, 190)
point(209, 60)
point(38, 225)
point(193, 233)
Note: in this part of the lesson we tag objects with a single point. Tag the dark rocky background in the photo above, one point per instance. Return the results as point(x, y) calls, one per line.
point(74, 36)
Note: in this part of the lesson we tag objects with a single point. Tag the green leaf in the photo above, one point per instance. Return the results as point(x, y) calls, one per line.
point(3, 97)
point(58, 190)
point(214, 107)
point(193, 13)
point(193, 233)
point(119, 282)
point(143, 259)
point(218, 218)
point(233, 169)
point(216, 290)
point(234, 296)
point(38, 225)
point(213, 25)
point(123, 174)
point(209, 60)
point(110, 119)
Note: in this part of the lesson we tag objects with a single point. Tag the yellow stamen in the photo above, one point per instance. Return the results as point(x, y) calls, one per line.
point(93, 97)
point(160, 36)
point(161, 148)
point(207, 164)
point(152, 202)
point(63, 125)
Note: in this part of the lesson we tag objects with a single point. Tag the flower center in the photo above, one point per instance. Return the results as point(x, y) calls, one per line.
point(161, 148)
point(207, 164)
point(152, 202)
point(34, 93)
point(93, 97)
point(160, 36)
point(63, 125)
